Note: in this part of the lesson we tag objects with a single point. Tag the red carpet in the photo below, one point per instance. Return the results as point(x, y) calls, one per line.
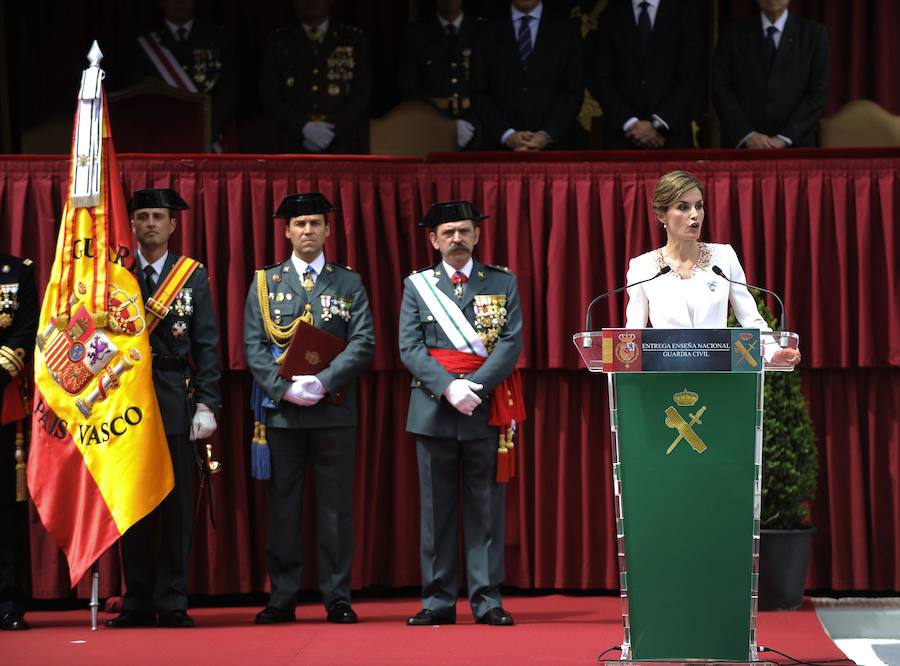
point(552, 629)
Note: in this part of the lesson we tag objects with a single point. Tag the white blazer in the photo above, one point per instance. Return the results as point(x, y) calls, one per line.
point(700, 301)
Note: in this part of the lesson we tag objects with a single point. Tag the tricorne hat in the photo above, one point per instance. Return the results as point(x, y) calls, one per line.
point(164, 197)
point(308, 203)
point(450, 211)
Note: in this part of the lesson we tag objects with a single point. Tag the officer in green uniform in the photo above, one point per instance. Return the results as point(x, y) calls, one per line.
point(311, 417)
point(186, 378)
point(316, 83)
point(449, 411)
point(435, 67)
point(18, 326)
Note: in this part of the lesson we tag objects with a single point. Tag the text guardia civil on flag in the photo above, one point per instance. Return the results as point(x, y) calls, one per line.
point(99, 461)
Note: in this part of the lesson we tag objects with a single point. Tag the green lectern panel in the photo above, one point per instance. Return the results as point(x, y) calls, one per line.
point(687, 453)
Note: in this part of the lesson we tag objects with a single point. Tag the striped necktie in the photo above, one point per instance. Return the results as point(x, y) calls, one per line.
point(523, 38)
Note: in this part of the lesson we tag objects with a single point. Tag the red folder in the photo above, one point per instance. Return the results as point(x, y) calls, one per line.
point(311, 351)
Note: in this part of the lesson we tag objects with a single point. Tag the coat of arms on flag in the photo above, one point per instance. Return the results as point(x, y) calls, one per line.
point(99, 460)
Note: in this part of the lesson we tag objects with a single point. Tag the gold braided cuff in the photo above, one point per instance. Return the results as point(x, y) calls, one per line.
point(12, 360)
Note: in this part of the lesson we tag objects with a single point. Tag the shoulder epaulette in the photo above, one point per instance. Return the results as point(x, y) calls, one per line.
point(498, 267)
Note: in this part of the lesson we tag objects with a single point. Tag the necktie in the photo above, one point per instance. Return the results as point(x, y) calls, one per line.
point(451, 31)
point(315, 35)
point(644, 26)
point(459, 280)
point(182, 35)
point(149, 279)
point(523, 39)
point(771, 49)
point(309, 282)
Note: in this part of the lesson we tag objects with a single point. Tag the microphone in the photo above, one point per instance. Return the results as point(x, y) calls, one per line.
point(783, 319)
point(587, 315)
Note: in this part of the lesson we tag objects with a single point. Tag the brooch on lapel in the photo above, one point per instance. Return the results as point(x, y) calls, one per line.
point(711, 285)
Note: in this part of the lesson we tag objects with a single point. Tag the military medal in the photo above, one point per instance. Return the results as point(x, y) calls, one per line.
point(490, 317)
point(334, 89)
point(179, 328)
point(459, 280)
point(184, 304)
point(335, 306)
point(5, 320)
point(9, 296)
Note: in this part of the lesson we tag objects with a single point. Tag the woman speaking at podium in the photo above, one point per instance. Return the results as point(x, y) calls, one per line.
point(692, 294)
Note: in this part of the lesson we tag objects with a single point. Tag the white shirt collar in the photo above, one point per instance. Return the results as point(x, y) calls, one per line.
point(317, 264)
point(535, 13)
point(157, 265)
point(455, 22)
point(653, 5)
point(174, 27)
point(323, 28)
point(466, 270)
point(778, 24)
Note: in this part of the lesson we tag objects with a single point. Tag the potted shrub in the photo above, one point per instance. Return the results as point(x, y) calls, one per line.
point(790, 472)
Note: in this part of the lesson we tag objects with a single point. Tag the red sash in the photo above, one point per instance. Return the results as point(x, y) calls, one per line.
point(507, 404)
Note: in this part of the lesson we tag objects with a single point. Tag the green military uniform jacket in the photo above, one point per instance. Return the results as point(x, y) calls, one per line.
point(435, 68)
point(332, 82)
point(18, 316)
point(340, 306)
point(429, 412)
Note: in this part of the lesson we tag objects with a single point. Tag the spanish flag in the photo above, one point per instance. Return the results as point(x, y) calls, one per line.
point(99, 461)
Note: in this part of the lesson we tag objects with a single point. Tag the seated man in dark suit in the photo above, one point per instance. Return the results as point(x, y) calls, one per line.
point(436, 65)
point(770, 79)
point(644, 66)
point(528, 79)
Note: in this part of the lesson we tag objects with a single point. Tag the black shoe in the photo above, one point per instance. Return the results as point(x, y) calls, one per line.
point(130, 618)
point(342, 613)
point(13, 621)
point(427, 618)
point(176, 618)
point(497, 617)
point(272, 615)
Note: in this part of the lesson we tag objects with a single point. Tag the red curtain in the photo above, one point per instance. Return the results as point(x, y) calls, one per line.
point(816, 227)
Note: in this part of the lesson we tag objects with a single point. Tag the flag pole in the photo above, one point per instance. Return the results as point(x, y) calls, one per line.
point(95, 593)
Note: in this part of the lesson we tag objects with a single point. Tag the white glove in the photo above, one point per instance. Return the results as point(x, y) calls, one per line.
point(464, 133)
point(203, 424)
point(461, 394)
point(317, 135)
point(306, 391)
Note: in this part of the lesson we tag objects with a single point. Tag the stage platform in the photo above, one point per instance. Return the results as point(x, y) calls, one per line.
point(553, 629)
